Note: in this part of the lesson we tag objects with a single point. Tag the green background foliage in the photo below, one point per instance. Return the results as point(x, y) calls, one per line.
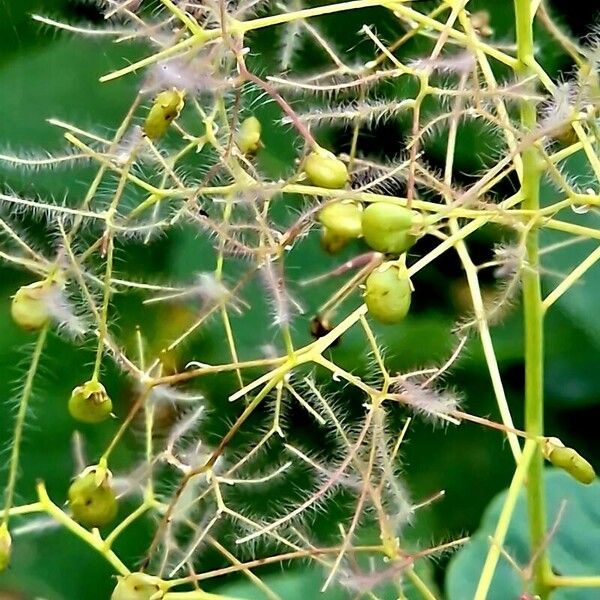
point(569, 548)
point(44, 74)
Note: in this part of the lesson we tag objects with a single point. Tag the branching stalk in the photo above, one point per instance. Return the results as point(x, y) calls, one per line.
point(533, 309)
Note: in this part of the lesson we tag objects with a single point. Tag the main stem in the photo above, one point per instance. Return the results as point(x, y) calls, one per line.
point(533, 311)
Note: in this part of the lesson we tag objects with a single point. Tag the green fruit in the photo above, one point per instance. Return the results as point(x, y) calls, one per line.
point(89, 403)
point(138, 586)
point(387, 227)
point(332, 243)
point(388, 293)
point(343, 219)
point(5, 547)
point(166, 108)
point(323, 169)
point(248, 135)
point(29, 307)
point(91, 499)
point(569, 460)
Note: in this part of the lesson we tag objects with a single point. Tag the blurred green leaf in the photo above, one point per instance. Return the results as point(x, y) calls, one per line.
point(293, 585)
point(573, 548)
point(60, 81)
point(306, 584)
point(572, 328)
point(19, 32)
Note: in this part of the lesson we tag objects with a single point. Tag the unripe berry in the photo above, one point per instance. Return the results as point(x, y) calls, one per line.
point(5, 547)
point(89, 403)
point(323, 169)
point(342, 218)
point(388, 293)
point(332, 243)
point(91, 499)
point(387, 227)
point(138, 586)
point(568, 460)
point(166, 108)
point(29, 308)
point(248, 135)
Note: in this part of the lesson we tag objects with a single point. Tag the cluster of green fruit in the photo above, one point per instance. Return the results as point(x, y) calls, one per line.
point(91, 499)
point(385, 226)
point(167, 106)
point(30, 309)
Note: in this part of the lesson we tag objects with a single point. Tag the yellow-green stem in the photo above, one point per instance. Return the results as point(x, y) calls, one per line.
point(20, 423)
point(103, 324)
point(580, 581)
point(141, 401)
point(92, 538)
point(125, 523)
point(420, 585)
point(491, 561)
point(533, 310)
